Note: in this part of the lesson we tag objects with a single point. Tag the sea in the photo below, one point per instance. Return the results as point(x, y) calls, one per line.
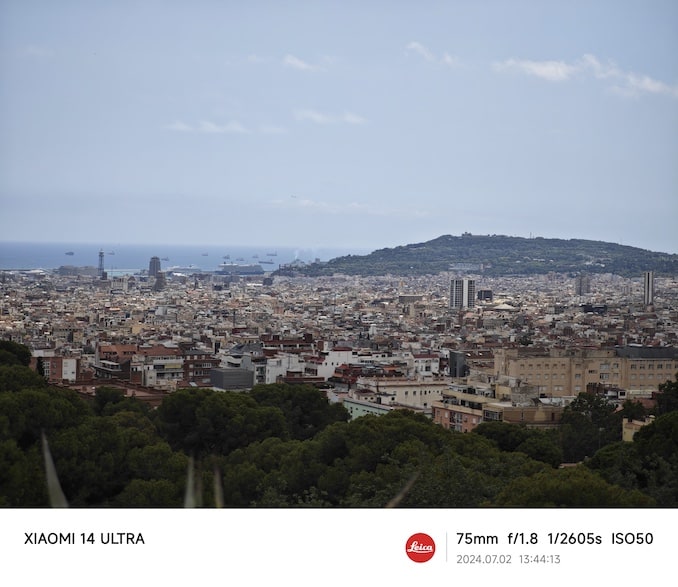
point(123, 258)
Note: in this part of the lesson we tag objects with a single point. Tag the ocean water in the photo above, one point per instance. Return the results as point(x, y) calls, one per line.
point(123, 258)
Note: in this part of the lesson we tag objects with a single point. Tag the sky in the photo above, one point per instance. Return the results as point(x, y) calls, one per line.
point(358, 124)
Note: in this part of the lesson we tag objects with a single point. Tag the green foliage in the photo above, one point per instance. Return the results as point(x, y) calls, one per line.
point(202, 422)
point(570, 487)
point(667, 400)
point(541, 445)
point(7, 358)
point(305, 408)
point(286, 446)
point(24, 415)
point(57, 499)
point(502, 255)
point(20, 353)
point(17, 377)
point(648, 464)
point(588, 423)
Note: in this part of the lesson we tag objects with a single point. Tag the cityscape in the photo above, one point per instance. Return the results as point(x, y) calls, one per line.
point(463, 351)
point(384, 289)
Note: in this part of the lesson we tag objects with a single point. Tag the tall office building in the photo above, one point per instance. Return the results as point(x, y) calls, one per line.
point(648, 288)
point(154, 267)
point(462, 293)
point(583, 284)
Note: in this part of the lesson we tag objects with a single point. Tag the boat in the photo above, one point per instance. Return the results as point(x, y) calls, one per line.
point(237, 269)
point(69, 253)
point(165, 259)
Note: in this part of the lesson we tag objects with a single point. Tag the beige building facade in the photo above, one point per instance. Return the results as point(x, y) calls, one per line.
point(566, 372)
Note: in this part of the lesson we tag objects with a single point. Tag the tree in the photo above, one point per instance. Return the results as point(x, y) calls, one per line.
point(633, 410)
point(570, 487)
point(17, 377)
point(541, 445)
point(588, 424)
point(306, 408)
point(21, 352)
point(202, 422)
point(649, 463)
point(667, 399)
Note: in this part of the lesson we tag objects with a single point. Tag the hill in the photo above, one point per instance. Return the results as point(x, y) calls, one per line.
point(497, 255)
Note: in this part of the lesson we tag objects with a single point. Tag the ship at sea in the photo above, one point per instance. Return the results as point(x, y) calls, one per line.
point(240, 269)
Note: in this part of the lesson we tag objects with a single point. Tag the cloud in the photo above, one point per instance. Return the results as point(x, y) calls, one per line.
point(554, 71)
point(208, 127)
point(313, 116)
point(623, 82)
point(322, 118)
point(418, 48)
point(627, 82)
point(450, 60)
point(351, 118)
point(428, 55)
point(296, 63)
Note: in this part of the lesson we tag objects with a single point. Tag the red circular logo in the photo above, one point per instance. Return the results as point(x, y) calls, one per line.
point(420, 547)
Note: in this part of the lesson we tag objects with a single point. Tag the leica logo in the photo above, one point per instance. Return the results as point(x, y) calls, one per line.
point(416, 547)
point(420, 547)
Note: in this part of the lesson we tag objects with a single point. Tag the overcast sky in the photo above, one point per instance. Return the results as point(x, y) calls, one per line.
point(363, 124)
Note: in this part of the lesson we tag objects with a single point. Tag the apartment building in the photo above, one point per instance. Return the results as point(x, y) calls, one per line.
point(465, 406)
point(558, 372)
point(462, 293)
point(197, 365)
point(403, 391)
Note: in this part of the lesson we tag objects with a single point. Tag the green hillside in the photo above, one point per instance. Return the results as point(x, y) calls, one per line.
point(501, 255)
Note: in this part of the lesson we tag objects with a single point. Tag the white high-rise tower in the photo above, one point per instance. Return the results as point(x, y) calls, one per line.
point(648, 288)
point(462, 293)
